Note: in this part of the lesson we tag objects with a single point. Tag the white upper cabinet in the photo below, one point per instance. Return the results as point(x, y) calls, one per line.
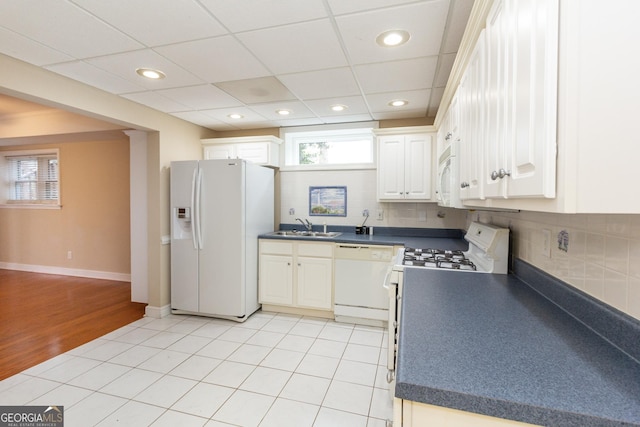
point(509, 107)
point(405, 164)
point(560, 105)
point(472, 107)
point(263, 150)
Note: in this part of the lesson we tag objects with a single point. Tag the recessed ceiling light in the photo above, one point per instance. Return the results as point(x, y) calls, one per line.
point(398, 103)
point(338, 107)
point(150, 73)
point(235, 116)
point(392, 38)
point(283, 112)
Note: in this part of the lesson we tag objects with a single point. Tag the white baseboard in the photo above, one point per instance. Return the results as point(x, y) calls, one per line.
point(157, 312)
point(45, 269)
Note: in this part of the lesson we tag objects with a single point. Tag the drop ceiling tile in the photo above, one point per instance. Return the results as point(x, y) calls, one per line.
point(425, 23)
point(322, 83)
point(155, 22)
point(125, 65)
point(216, 59)
point(298, 47)
point(202, 120)
point(457, 23)
point(257, 91)
point(156, 101)
point(434, 103)
point(65, 27)
point(254, 14)
point(201, 97)
point(348, 118)
point(340, 7)
point(379, 102)
point(222, 114)
point(93, 76)
point(28, 50)
point(322, 107)
point(298, 110)
point(407, 114)
point(444, 69)
point(394, 76)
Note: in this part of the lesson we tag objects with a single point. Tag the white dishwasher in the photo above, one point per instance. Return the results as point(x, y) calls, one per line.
point(360, 271)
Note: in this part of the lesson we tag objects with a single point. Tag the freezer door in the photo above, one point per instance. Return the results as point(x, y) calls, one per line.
point(222, 230)
point(184, 253)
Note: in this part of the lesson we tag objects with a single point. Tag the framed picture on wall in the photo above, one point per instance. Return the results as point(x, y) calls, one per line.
point(328, 201)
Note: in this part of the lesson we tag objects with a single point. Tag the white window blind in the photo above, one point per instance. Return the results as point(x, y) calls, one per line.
point(31, 178)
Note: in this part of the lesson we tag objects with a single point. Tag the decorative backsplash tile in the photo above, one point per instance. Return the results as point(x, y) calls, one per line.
point(602, 256)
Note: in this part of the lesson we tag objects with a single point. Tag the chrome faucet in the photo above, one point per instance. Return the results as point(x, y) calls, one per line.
point(308, 225)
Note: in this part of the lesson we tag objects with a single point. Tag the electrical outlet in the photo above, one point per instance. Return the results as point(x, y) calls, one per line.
point(69, 255)
point(380, 215)
point(365, 212)
point(546, 243)
point(292, 211)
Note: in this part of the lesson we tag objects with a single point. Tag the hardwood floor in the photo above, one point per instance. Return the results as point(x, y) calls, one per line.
point(43, 315)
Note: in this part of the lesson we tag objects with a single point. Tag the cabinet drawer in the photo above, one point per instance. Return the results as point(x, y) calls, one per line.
point(315, 249)
point(276, 247)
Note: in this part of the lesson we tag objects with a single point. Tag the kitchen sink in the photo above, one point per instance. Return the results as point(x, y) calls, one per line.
point(296, 233)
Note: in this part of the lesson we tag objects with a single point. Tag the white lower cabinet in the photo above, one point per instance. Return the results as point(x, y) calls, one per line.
point(296, 274)
point(416, 414)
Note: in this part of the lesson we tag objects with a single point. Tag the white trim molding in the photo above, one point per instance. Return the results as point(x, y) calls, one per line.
point(157, 312)
point(62, 271)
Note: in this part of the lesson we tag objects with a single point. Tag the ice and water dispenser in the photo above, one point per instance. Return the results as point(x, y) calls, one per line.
point(181, 223)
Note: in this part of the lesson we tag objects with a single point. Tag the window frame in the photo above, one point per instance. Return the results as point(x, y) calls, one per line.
point(6, 165)
point(293, 137)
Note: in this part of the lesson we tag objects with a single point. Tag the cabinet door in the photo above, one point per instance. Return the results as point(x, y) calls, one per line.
point(391, 167)
point(534, 48)
point(498, 78)
point(472, 124)
point(315, 278)
point(220, 151)
point(256, 152)
point(417, 162)
point(276, 279)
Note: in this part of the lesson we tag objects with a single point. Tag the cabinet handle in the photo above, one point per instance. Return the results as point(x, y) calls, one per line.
point(448, 137)
point(499, 174)
point(390, 376)
point(464, 184)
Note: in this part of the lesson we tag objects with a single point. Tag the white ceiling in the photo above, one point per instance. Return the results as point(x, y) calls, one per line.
point(247, 56)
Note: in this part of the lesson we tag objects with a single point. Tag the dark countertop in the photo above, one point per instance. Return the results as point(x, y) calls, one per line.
point(409, 237)
point(491, 344)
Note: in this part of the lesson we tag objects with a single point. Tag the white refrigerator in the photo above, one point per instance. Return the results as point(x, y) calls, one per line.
point(218, 209)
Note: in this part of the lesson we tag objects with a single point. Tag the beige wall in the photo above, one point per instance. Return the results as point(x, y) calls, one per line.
point(94, 220)
point(169, 139)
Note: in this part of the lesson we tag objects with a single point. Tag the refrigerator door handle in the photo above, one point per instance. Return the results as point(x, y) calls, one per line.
point(193, 211)
point(198, 230)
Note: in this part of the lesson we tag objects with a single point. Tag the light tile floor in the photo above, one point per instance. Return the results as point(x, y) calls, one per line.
point(272, 370)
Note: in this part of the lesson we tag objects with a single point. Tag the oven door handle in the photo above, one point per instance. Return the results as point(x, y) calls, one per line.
point(385, 282)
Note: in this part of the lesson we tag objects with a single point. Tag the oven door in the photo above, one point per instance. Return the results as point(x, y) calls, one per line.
point(393, 284)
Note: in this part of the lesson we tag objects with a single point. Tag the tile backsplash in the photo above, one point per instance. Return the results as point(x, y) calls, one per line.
point(602, 256)
point(361, 195)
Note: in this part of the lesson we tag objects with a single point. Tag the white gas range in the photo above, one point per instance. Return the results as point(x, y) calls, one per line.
point(488, 253)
